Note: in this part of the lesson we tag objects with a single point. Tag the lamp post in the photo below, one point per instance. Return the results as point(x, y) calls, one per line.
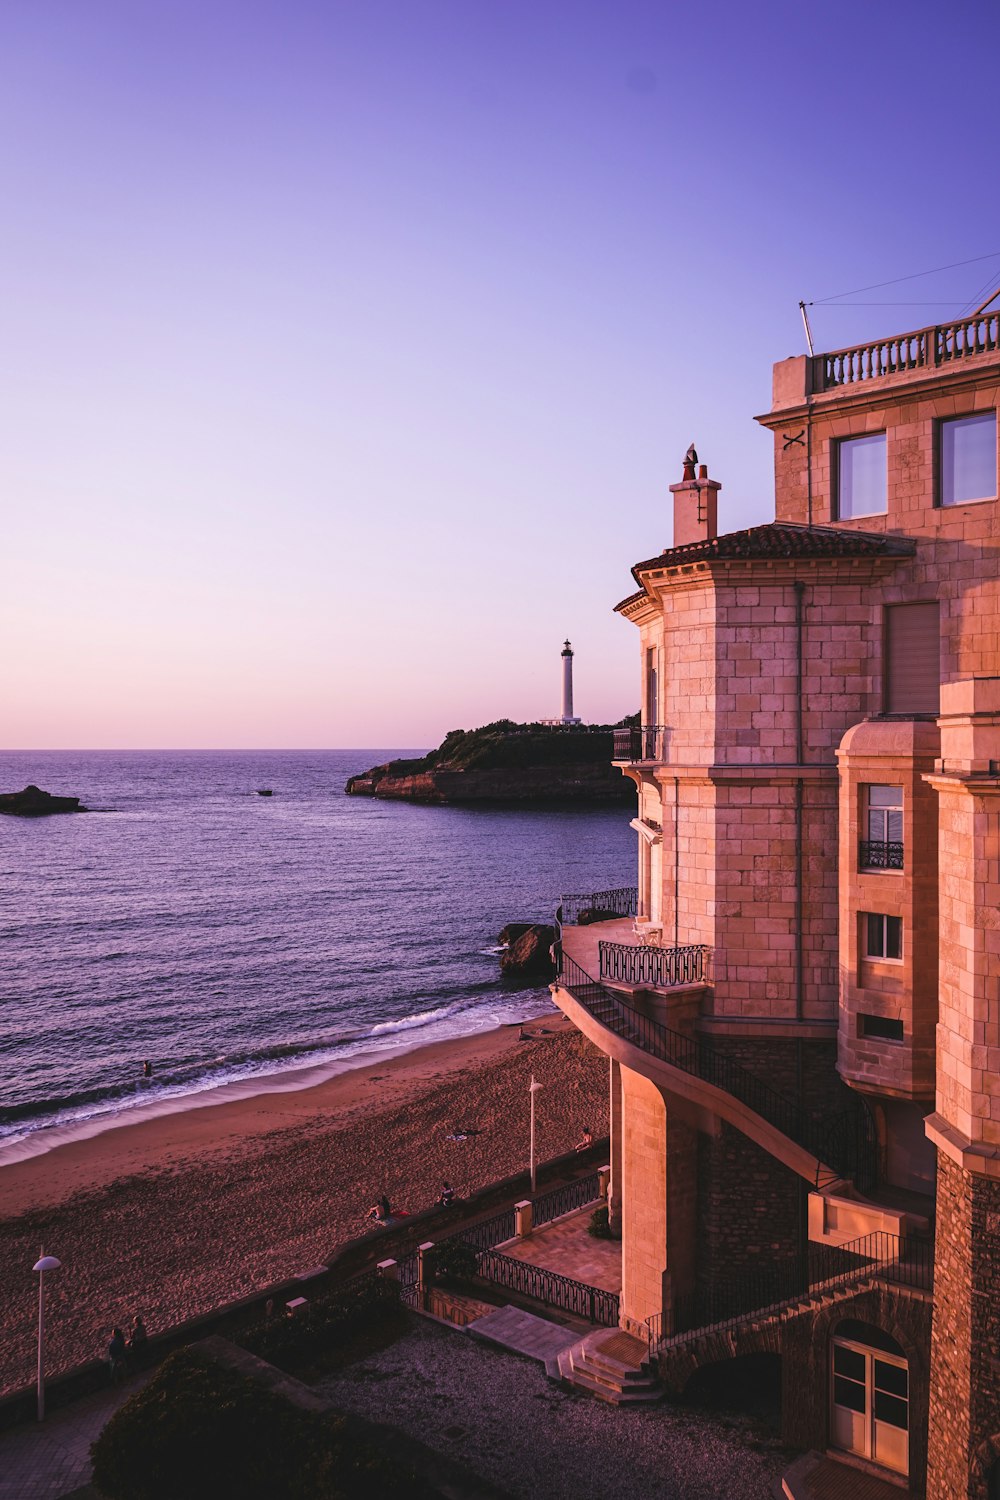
point(533, 1091)
point(45, 1263)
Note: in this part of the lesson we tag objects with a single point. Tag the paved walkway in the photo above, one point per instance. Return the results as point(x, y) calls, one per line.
point(566, 1247)
point(43, 1461)
point(522, 1333)
point(816, 1477)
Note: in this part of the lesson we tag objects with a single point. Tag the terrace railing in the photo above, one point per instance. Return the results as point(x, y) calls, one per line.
point(639, 742)
point(659, 968)
point(878, 854)
point(925, 348)
point(782, 1288)
point(521, 1276)
point(844, 1144)
point(565, 1200)
point(622, 902)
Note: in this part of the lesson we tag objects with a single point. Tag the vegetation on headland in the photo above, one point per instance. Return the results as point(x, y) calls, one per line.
point(506, 761)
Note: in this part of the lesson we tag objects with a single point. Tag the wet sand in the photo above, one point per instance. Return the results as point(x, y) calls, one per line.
point(173, 1215)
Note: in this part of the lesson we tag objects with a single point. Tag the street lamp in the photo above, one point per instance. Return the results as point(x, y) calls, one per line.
point(46, 1263)
point(533, 1091)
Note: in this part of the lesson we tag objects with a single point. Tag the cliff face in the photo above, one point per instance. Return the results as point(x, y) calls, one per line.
point(505, 763)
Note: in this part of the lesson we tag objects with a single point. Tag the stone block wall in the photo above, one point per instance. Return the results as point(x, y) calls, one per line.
point(751, 1214)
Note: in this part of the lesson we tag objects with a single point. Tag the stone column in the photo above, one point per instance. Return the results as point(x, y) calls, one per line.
point(659, 1197)
point(965, 1377)
point(615, 1118)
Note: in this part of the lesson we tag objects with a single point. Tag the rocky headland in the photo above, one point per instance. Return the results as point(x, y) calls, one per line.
point(34, 803)
point(507, 763)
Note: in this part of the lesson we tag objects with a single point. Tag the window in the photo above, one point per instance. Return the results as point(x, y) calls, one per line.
point(881, 1027)
point(861, 477)
point(883, 936)
point(912, 659)
point(968, 459)
point(883, 847)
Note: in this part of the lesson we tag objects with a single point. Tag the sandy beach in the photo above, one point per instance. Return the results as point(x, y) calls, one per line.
point(173, 1215)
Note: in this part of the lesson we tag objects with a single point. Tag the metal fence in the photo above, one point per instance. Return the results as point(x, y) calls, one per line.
point(528, 1280)
point(660, 968)
point(622, 902)
point(565, 1200)
point(877, 854)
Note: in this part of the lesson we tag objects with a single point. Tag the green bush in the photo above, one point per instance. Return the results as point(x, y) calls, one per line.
point(201, 1431)
point(453, 1262)
point(316, 1338)
point(600, 1224)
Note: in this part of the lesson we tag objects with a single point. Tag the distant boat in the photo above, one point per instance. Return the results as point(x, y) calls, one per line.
point(264, 791)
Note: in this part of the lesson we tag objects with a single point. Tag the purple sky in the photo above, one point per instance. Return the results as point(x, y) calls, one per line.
point(349, 349)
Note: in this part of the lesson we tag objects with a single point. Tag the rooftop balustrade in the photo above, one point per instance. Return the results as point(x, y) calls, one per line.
point(926, 348)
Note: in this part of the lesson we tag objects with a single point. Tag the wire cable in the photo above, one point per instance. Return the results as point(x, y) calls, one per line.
point(855, 291)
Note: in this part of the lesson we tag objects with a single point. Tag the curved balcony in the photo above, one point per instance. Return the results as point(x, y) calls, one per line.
point(823, 1150)
point(644, 742)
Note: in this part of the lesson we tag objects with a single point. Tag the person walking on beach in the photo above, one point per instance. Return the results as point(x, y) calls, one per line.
point(137, 1341)
point(116, 1357)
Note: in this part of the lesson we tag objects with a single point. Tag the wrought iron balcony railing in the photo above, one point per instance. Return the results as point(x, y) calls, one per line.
point(645, 742)
point(659, 968)
point(622, 902)
point(844, 1144)
point(877, 854)
point(779, 1288)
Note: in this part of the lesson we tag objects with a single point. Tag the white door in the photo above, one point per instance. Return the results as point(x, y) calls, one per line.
point(869, 1412)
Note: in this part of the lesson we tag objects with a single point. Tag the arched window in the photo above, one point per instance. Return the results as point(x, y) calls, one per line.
point(869, 1395)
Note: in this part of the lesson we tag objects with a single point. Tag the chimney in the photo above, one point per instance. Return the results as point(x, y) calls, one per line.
point(696, 507)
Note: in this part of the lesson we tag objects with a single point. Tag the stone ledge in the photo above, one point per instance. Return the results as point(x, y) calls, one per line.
point(978, 1157)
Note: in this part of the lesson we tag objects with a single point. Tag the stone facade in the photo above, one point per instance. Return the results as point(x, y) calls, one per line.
point(793, 675)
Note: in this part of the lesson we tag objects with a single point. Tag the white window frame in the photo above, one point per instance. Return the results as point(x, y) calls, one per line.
point(953, 422)
point(840, 445)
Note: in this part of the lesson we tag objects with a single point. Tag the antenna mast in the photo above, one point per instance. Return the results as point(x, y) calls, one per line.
point(805, 324)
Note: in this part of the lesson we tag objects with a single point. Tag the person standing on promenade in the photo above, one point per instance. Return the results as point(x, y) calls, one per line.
point(138, 1340)
point(116, 1356)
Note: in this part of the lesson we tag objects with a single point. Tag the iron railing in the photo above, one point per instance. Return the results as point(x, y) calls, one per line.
point(878, 854)
point(565, 1200)
point(659, 968)
point(923, 349)
point(521, 1276)
point(640, 742)
point(622, 902)
point(844, 1144)
point(781, 1289)
point(496, 1231)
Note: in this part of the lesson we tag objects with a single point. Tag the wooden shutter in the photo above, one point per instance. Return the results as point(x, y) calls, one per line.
point(912, 659)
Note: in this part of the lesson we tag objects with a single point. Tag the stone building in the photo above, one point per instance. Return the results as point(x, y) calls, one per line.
point(802, 1008)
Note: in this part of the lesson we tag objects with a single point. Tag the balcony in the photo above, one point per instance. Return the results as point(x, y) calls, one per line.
point(925, 349)
point(614, 952)
point(877, 854)
point(640, 743)
point(621, 902)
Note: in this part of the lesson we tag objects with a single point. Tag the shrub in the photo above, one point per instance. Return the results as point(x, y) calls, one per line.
point(600, 1224)
point(316, 1339)
point(453, 1262)
point(199, 1431)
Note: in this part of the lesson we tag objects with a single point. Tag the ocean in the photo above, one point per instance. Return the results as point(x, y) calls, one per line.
point(234, 939)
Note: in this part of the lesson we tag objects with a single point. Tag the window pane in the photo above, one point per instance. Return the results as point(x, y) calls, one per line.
point(848, 1362)
point(850, 1394)
point(894, 827)
point(969, 459)
point(873, 945)
point(861, 483)
point(893, 937)
point(891, 1379)
point(885, 796)
point(889, 1409)
point(876, 824)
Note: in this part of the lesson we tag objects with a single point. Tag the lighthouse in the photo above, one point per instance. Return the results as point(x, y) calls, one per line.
point(567, 715)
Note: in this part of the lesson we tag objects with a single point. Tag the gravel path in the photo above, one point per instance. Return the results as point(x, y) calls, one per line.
point(501, 1415)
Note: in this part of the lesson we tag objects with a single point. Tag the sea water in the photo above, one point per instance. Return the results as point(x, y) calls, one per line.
point(234, 939)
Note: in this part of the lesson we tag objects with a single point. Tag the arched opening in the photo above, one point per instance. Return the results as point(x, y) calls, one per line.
point(749, 1384)
point(869, 1395)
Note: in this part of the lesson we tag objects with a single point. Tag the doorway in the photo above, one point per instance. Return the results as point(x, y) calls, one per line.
point(870, 1396)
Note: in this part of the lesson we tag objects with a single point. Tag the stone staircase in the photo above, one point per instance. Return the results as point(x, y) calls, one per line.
point(609, 1364)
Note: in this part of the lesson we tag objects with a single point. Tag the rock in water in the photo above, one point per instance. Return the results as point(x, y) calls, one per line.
point(34, 803)
point(529, 955)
